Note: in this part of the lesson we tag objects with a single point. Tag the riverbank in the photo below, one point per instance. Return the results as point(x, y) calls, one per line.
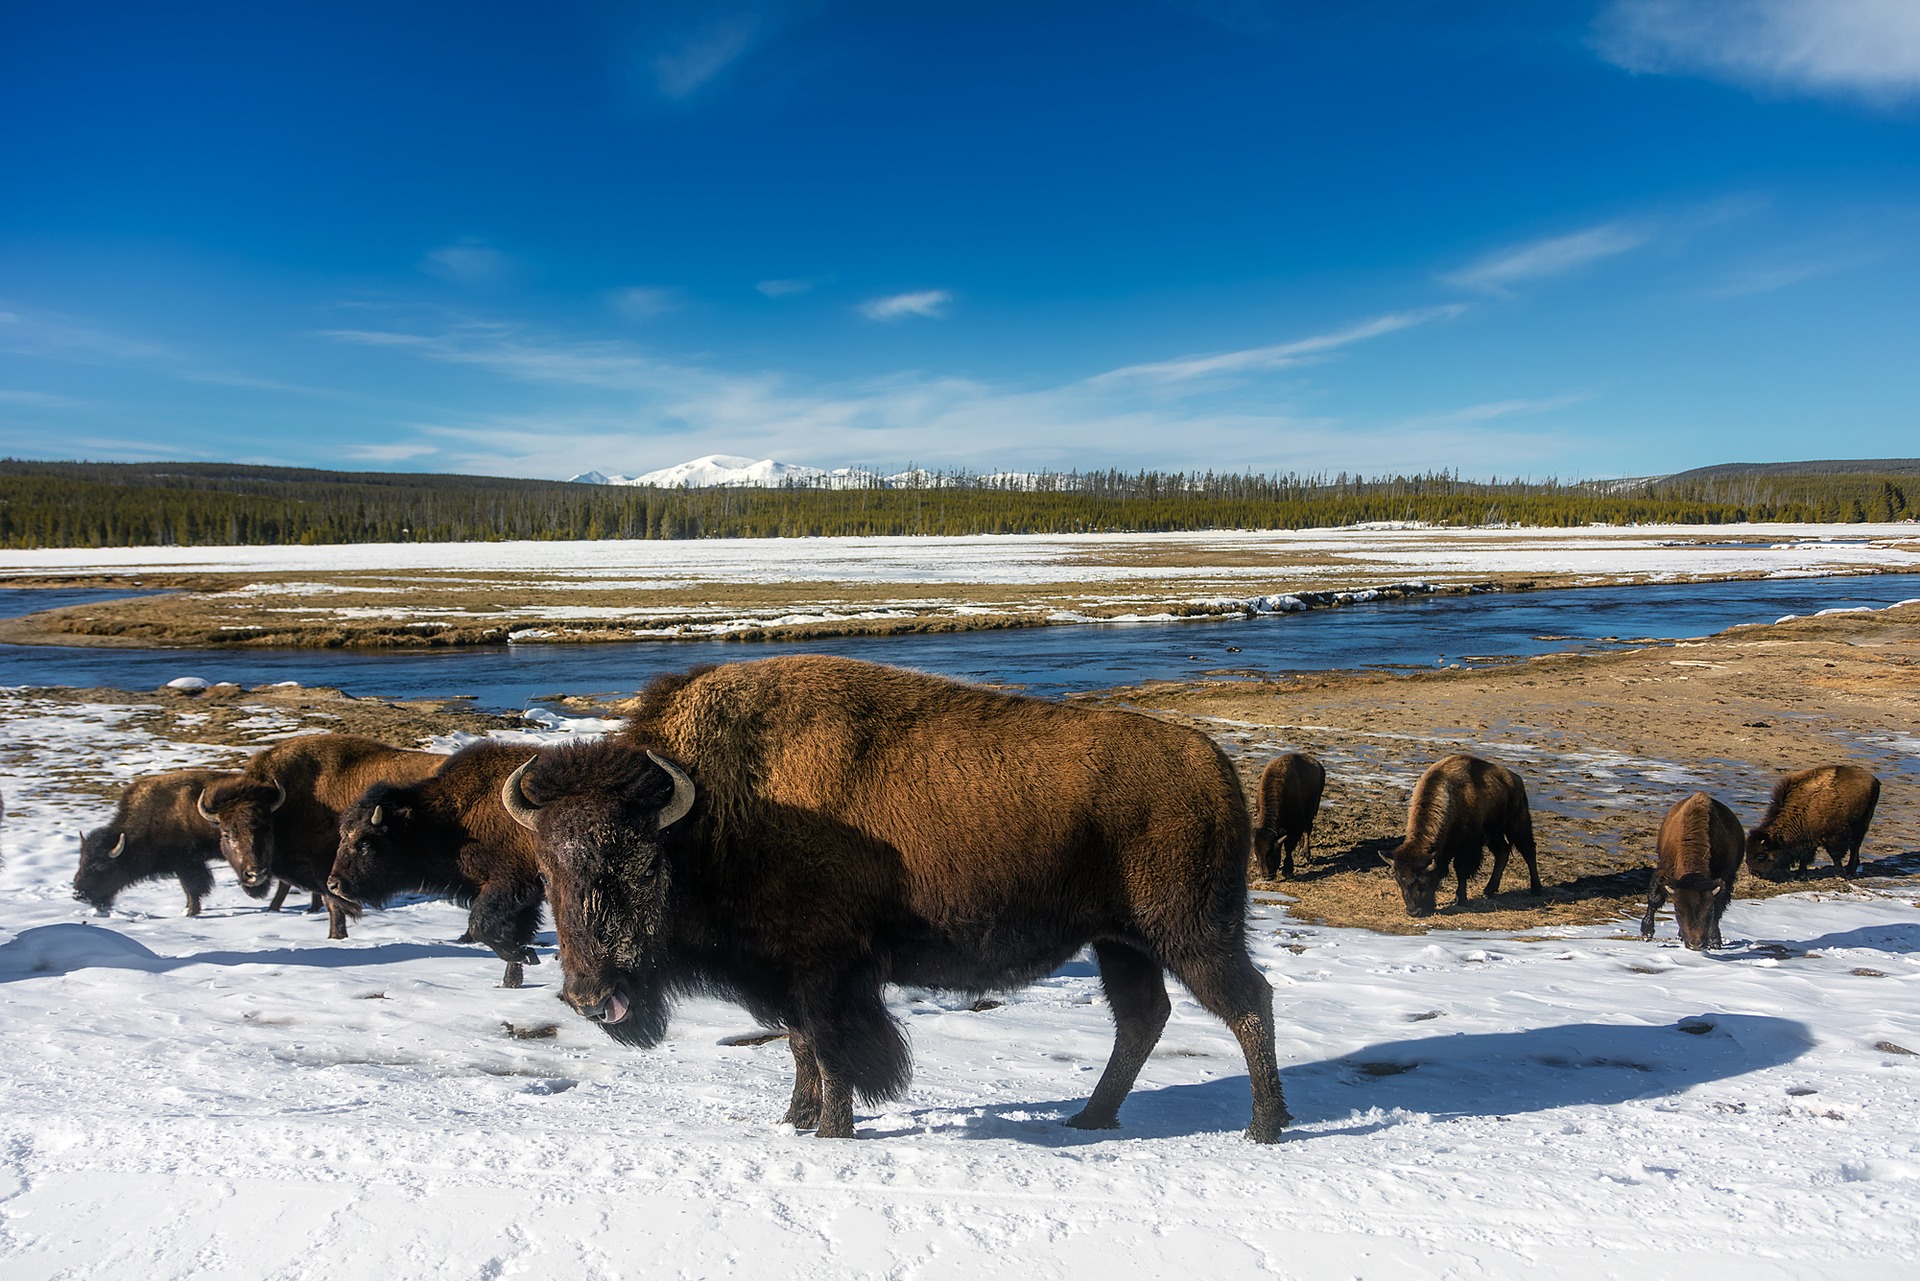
point(414, 596)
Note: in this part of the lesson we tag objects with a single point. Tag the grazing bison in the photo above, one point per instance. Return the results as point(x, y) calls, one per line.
point(1290, 790)
point(1828, 806)
point(280, 815)
point(449, 834)
point(796, 832)
point(1460, 806)
point(156, 831)
point(1699, 847)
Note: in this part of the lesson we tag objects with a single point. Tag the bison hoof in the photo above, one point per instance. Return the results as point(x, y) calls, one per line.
point(1267, 1129)
point(802, 1118)
point(527, 954)
point(514, 975)
point(1089, 1120)
point(467, 938)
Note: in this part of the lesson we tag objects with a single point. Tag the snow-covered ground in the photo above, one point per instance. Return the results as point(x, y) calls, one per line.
point(236, 1096)
point(1646, 552)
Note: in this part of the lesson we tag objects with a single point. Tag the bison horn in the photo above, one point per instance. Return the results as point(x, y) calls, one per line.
point(375, 819)
point(515, 800)
point(200, 803)
point(119, 847)
point(280, 796)
point(683, 793)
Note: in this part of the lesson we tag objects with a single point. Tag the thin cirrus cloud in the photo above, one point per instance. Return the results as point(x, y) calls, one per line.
point(1278, 356)
point(1501, 270)
point(1868, 49)
point(644, 302)
point(698, 58)
point(783, 288)
point(467, 261)
point(929, 303)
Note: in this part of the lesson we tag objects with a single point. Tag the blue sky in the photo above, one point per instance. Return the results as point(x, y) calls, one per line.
point(1614, 237)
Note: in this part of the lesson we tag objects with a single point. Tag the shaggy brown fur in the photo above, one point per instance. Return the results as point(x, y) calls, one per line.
point(450, 835)
point(1828, 806)
point(1700, 845)
point(296, 839)
point(1290, 790)
point(155, 831)
point(1461, 806)
point(858, 824)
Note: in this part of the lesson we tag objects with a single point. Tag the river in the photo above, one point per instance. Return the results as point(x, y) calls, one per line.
point(1048, 661)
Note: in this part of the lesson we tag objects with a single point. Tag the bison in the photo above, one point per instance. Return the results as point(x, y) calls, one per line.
point(156, 831)
point(1461, 806)
point(1828, 806)
point(449, 834)
point(1290, 790)
point(796, 832)
point(280, 815)
point(1699, 847)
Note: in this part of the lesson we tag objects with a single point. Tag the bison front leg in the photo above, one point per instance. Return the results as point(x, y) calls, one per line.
point(858, 1046)
point(1136, 990)
point(197, 882)
point(1656, 895)
point(803, 1112)
point(336, 919)
point(505, 918)
point(280, 892)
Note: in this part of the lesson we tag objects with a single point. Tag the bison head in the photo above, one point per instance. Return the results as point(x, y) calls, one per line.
point(1268, 845)
point(1693, 909)
point(600, 814)
point(108, 866)
point(1768, 856)
point(371, 864)
point(1418, 876)
point(243, 808)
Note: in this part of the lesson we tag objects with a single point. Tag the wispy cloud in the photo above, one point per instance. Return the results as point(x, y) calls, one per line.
point(702, 55)
point(393, 453)
point(40, 399)
point(468, 261)
point(644, 302)
point(1280, 355)
point(1500, 271)
point(931, 303)
point(783, 288)
point(1866, 49)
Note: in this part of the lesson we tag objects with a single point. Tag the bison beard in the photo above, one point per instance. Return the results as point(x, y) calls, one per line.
point(857, 824)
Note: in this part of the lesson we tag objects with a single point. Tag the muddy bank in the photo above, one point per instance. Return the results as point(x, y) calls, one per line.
point(1605, 743)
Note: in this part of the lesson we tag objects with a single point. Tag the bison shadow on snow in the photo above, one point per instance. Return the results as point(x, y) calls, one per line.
point(53, 950)
point(1443, 1078)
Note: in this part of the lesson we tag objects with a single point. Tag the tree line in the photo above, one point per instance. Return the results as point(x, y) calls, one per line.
point(62, 504)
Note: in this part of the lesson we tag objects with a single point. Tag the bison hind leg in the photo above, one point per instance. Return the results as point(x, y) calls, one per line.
point(1136, 990)
point(1224, 979)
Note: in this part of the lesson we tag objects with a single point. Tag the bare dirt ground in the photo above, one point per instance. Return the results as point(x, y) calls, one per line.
point(1605, 744)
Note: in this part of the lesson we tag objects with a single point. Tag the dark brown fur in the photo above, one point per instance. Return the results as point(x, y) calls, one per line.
point(1699, 848)
point(858, 824)
point(1461, 806)
point(164, 835)
point(1828, 806)
point(450, 835)
point(322, 774)
point(1290, 790)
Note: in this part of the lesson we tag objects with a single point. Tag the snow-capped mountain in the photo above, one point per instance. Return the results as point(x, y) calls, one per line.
point(764, 473)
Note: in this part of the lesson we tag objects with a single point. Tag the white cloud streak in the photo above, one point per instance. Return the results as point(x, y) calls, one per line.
point(467, 261)
point(930, 303)
point(1867, 49)
point(1279, 356)
point(1500, 271)
point(645, 302)
point(783, 288)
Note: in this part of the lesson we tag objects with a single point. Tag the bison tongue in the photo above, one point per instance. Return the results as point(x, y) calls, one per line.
point(616, 1009)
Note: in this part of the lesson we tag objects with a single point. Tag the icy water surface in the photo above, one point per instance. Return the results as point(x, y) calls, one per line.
point(1049, 661)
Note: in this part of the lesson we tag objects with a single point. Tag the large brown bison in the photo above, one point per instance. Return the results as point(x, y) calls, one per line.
point(1828, 806)
point(1290, 790)
point(1461, 806)
point(156, 831)
point(449, 834)
point(1699, 850)
point(280, 815)
point(796, 832)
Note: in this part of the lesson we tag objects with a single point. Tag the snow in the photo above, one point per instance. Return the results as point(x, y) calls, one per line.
point(1604, 552)
point(236, 1096)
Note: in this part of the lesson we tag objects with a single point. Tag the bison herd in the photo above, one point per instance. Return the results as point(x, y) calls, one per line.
point(795, 833)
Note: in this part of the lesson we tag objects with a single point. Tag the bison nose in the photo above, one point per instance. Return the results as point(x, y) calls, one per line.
point(333, 886)
point(608, 1009)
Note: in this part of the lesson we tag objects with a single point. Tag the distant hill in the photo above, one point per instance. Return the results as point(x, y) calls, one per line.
point(1817, 467)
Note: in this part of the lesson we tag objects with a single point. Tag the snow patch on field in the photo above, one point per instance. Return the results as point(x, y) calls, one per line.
point(234, 1095)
